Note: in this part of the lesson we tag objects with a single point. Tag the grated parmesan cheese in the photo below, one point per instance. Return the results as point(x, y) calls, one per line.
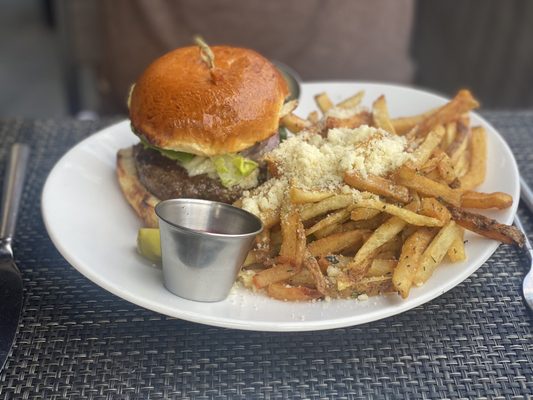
point(333, 271)
point(245, 277)
point(313, 162)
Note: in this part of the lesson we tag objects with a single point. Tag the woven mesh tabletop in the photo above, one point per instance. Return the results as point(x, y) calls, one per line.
point(76, 340)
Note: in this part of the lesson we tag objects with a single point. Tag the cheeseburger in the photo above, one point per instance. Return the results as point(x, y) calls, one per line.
point(204, 117)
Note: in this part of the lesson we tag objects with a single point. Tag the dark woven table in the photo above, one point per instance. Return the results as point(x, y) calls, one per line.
point(76, 340)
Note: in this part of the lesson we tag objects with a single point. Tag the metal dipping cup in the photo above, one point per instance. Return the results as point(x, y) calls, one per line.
point(203, 246)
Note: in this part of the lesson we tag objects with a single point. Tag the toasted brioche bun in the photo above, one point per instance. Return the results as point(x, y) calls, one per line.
point(140, 199)
point(178, 104)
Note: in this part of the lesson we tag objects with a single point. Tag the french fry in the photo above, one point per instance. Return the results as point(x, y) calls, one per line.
point(359, 214)
point(430, 165)
point(313, 117)
point(412, 249)
point(288, 108)
point(403, 125)
point(337, 260)
point(364, 225)
point(351, 250)
point(377, 185)
point(277, 273)
point(445, 168)
point(460, 142)
point(380, 115)
point(311, 264)
point(449, 137)
point(337, 228)
point(336, 242)
point(427, 187)
point(387, 231)
point(398, 230)
point(464, 119)
point(430, 143)
point(415, 203)
point(358, 267)
point(498, 200)
point(434, 176)
point(262, 249)
point(382, 235)
point(303, 196)
point(478, 160)
point(328, 230)
point(431, 207)
point(275, 238)
point(487, 227)
point(455, 184)
point(370, 286)
point(403, 213)
point(391, 249)
point(284, 292)
point(253, 257)
point(355, 121)
point(435, 252)
point(353, 101)
point(456, 252)
point(408, 231)
point(334, 218)
point(323, 102)
point(294, 123)
point(381, 267)
point(412, 139)
point(269, 218)
point(302, 278)
point(329, 204)
point(293, 236)
point(462, 165)
point(461, 103)
point(372, 223)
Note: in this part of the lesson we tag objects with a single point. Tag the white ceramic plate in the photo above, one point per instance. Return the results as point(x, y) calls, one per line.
point(95, 230)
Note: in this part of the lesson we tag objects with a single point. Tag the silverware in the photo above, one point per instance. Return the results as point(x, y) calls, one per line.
point(203, 246)
point(10, 278)
point(526, 195)
point(527, 285)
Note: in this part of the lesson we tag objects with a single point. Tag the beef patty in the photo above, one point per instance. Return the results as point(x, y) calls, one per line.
point(166, 179)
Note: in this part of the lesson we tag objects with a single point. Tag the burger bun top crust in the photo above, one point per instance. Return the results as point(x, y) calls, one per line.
point(179, 104)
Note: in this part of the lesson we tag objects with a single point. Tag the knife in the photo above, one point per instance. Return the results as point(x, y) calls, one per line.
point(10, 278)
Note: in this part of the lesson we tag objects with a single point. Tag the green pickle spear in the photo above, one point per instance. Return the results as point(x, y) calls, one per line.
point(149, 244)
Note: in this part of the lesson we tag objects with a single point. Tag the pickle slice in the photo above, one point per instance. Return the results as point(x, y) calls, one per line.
point(149, 244)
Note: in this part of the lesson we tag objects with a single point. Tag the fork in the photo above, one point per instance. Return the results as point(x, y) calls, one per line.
point(527, 286)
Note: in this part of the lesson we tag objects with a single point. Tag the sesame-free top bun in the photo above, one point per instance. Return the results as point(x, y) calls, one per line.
point(178, 104)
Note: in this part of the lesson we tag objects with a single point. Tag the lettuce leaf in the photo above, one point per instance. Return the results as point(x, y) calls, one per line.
point(233, 168)
point(282, 133)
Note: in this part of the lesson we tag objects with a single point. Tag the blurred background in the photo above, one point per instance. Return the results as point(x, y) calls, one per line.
point(79, 57)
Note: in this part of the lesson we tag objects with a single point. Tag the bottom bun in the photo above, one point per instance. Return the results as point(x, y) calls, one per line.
point(140, 199)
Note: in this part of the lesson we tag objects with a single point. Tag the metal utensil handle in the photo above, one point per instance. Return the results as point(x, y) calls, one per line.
point(526, 195)
point(14, 180)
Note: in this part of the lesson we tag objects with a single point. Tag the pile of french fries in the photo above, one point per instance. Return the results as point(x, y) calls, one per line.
point(394, 235)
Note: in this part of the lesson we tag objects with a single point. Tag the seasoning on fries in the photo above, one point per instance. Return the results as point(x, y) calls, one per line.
point(361, 203)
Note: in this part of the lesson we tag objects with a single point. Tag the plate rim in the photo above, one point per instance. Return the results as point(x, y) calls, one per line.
point(269, 326)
